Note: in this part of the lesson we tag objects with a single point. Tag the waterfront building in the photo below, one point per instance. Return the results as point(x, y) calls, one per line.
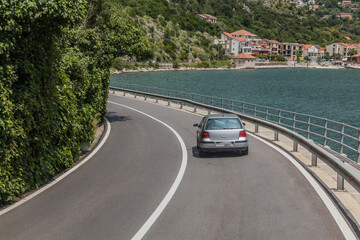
point(244, 60)
point(339, 48)
point(314, 52)
point(235, 45)
point(288, 50)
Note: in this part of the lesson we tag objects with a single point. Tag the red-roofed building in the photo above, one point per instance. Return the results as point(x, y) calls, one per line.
point(346, 15)
point(273, 45)
point(207, 17)
point(260, 49)
point(314, 52)
point(244, 34)
point(339, 48)
point(235, 45)
point(354, 58)
point(244, 60)
point(347, 38)
point(313, 7)
point(346, 3)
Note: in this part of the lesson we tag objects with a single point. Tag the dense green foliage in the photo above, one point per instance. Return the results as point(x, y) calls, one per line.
point(54, 75)
point(282, 21)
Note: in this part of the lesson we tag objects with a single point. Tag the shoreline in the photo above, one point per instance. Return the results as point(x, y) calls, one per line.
point(117, 72)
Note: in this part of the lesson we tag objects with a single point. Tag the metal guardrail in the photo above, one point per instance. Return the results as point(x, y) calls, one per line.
point(342, 138)
point(280, 125)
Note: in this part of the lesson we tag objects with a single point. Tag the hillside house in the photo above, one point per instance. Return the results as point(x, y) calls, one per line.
point(349, 4)
point(313, 7)
point(346, 15)
point(207, 17)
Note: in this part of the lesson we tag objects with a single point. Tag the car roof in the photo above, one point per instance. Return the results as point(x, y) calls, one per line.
point(221, 116)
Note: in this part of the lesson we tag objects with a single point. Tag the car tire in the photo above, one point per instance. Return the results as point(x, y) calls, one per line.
point(246, 151)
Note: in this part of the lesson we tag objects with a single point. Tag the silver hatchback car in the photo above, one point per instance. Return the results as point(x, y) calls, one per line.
point(221, 132)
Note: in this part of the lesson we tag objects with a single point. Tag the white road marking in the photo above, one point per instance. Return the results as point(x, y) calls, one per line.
point(154, 216)
point(339, 219)
point(55, 181)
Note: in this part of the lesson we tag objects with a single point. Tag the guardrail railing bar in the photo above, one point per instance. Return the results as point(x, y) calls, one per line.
point(358, 153)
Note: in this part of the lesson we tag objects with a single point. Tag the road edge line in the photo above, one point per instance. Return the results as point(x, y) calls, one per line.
point(154, 216)
point(334, 211)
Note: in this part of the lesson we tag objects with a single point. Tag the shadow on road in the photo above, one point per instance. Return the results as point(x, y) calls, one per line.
point(195, 153)
point(114, 117)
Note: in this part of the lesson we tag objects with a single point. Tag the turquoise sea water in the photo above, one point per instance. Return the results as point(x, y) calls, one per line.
point(327, 93)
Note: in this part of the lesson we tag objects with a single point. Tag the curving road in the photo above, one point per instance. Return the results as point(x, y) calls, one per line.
point(224, 196)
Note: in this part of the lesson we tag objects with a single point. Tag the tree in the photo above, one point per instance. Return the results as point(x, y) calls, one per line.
point(352, 52)
point(298, 54)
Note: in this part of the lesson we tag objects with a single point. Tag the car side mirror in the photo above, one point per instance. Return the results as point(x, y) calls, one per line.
point(196, 125)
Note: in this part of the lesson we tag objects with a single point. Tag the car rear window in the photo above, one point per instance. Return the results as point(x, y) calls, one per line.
point(222, 123)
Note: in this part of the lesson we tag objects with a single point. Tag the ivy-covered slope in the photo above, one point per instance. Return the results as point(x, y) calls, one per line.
point(54, 75)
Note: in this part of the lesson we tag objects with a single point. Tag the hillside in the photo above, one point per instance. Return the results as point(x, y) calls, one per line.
point(173, 22)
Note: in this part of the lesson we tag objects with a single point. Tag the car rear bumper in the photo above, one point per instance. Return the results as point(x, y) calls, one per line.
point(223, 146)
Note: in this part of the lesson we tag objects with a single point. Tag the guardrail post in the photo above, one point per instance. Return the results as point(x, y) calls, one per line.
point(222, 103)
point(124, 93)
point(181, 105)
point(342, 139)
point(135, 95)
point(232, 105)
point(295, 146)
point(145, 98)
point(243, 107)
point(294, 123)
point(168, 102)
point(276, 136)
point(194, 108)
point(325, 133)
point(267, 114)
point(279, 117)
point(308, 127)
point(313, 160)
point(157, 100)
point(256, 128)
point(254, 111)
point(113, 91)
point(340, 182)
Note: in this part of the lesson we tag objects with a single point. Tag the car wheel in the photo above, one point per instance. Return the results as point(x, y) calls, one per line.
point(246, 151)
point(201, 153)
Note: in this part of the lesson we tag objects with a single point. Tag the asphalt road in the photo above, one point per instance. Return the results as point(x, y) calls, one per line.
point(223, 196)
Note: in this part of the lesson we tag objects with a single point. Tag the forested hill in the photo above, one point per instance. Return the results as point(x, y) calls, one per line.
point(272, 19)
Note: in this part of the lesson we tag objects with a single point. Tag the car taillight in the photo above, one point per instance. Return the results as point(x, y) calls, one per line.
point(205, 135)
point(242, 134)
